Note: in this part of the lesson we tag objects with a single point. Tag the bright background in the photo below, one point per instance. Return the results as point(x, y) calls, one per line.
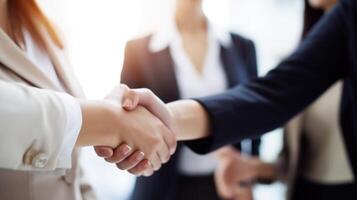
point(97, 30)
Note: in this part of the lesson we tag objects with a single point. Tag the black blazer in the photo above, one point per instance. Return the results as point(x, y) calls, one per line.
point(155, 71)
point(328, 53)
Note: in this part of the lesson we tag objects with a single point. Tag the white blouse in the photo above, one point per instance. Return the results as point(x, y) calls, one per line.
point(192, 84)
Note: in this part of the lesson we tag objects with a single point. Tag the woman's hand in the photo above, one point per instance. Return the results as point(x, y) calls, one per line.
point(186, 119)
point(124, 156)
point(106, 123)
point(235, 175)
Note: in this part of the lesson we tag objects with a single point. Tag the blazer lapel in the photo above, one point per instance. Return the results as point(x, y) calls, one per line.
point(13, 58)
point(233, 66)
point(164, 75)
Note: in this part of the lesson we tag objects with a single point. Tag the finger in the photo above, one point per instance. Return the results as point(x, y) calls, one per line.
point(245, 193)
point(130, 100)
point(152, 103)
point(120, 153)
point(164, 153)
point(156, 162)
point(140, 169)
point(131, 161)
point(157, 107)
point(171, 142)
point(223, 186)
point(149, 171)
point(118, 91)
point(103, 151)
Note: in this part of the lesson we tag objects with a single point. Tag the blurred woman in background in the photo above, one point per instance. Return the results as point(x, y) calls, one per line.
point(314, 160)
point(189, 57)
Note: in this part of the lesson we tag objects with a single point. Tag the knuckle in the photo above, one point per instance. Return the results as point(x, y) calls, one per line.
point(157, 167)
point(166, 158)
point(156, 141)
point(172, 140)
point(131, 93)
point(148, 91)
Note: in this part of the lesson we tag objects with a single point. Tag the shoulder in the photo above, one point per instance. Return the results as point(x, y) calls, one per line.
point(139, 44)
point(136, 52)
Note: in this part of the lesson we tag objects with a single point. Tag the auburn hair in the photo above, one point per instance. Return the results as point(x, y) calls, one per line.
point(26, 14)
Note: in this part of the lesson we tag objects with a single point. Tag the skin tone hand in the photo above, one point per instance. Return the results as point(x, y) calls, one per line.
point(106, 123)
point(235, 174)
point(187, 116)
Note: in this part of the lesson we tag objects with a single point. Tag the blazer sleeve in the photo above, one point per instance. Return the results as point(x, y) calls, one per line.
point(266, 103)
point(32, 125)
point(251, 59)
point(248, 55)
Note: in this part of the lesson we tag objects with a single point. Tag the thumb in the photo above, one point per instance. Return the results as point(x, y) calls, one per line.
point(152, 103)
point(224, 188)
point(130, 99)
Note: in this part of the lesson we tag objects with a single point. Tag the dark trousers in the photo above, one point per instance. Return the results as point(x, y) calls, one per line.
point(309, 190)
point(196, 188)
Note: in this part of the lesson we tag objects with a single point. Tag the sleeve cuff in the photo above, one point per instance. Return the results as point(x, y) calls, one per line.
point(203, 146)
point(72, 129)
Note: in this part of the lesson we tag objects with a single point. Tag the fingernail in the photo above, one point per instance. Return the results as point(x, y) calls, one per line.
point(125, 150)
point(105, 152)
point(140, 156)
point(147, 164)
point(127, 103)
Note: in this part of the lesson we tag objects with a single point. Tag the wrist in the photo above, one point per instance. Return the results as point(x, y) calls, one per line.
point(99, 126)
point(190, 119)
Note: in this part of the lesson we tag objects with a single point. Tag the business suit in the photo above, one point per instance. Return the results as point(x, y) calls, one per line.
point(30, 148)
point(326, 55)
point(155, 70)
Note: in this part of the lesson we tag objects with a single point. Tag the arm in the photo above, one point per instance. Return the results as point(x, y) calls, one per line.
point(269, 102)
point(32, 124)
point(38, 117)
point(251, 59)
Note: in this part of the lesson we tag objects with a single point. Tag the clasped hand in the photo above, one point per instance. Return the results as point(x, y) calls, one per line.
point(147, 135)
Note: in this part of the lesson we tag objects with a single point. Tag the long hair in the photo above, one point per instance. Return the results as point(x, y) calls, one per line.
point(26, 14)
point(311, 16)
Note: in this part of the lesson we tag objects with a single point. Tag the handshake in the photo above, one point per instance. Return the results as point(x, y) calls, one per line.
point(137, 131)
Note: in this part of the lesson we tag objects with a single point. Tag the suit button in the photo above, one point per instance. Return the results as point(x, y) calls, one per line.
point(40, 160)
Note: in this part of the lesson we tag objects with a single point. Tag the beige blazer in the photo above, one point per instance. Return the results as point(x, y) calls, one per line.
point(32, 121)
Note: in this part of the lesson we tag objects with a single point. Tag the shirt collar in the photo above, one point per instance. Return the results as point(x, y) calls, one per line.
point(169, 34)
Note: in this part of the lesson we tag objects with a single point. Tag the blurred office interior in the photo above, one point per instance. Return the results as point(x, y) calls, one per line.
point(96, 32)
